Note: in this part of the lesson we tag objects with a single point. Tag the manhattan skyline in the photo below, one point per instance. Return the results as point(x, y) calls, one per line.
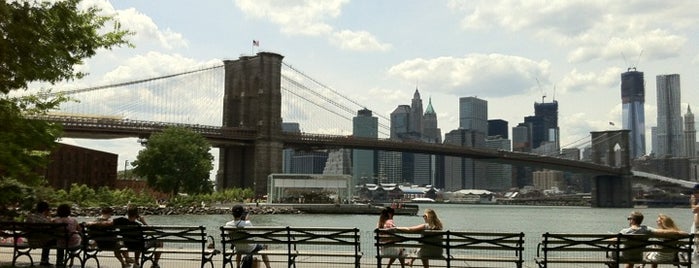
point(509, 53)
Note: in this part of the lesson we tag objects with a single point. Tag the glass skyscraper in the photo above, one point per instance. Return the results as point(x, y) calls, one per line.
point(364, 161)
point(633, 113)
point(669, 131)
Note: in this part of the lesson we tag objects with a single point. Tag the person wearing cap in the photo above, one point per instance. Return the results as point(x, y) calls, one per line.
point(241, 220)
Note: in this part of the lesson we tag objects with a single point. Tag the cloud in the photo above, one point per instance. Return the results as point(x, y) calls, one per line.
point(358, 41)
point(146, 30)
point(483, 75)
point(309, 18)
point(294, 16)
point(576, 81)
point(590, 29)
point(660, 44)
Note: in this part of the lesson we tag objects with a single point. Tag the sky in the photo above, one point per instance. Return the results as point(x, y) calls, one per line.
point(509, 53)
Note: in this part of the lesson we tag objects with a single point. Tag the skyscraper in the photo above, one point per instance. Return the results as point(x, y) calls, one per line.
point(669, 131)
point(473, 115)
point(690, 135)
point(430, 129)
point(544, 124)
point(364, 161)
point(426, 170)
point(473, 128)
point(633, 114)
point(415, 126)
point(498, 127)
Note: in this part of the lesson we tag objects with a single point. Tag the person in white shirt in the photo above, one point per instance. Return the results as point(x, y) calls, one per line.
point(240, 220)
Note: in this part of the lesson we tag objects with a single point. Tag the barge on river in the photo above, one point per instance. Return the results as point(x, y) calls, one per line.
point(374, 209)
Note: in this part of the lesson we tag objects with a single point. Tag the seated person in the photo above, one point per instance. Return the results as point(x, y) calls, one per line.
point(635, 253)
point(102, 232)
point(240, 220)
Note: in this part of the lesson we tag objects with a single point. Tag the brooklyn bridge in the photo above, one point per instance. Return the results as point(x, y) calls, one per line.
point(247, 99)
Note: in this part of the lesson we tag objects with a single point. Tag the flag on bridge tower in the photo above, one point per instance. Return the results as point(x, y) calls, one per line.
point(256, 43)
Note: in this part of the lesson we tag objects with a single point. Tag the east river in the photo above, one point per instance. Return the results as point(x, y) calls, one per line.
point(532, 220)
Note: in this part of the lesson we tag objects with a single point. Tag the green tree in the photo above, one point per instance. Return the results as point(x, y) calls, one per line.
point(176, 160)
point(42, 41)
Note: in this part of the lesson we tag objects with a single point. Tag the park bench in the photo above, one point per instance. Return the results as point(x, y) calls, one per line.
point(292, 245)
point(23, 237)
point(588, 249)
point(171, 242)
point(452, 247)
point(188, 243)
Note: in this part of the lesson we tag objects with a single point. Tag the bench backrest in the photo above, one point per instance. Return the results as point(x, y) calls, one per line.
point(36, 234)
point(325, 238)
point(272, 236)
point(292, 238)
point(611, 246)
point(173, 236)
point(453, 242)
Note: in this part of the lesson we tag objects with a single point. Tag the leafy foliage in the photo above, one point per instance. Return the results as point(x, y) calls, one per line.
point(41, 41)
point(26, 142)
point(176, 160)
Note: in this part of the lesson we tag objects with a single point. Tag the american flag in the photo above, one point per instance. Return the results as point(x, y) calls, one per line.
point(255, 43)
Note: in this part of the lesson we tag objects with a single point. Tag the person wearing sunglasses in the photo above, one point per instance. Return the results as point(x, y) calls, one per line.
point(632, 256)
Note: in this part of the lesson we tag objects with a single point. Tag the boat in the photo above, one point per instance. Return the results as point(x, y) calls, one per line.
point(373, 209)
point(422, 200)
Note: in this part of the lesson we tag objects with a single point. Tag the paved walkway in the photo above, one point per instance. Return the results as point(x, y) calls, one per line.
point(107, 260)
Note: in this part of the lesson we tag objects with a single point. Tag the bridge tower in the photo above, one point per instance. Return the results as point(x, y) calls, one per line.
point(611, 148)
point(252, 99)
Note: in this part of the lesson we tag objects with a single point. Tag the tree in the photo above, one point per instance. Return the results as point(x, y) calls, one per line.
point(42, 42)
point(176, 160)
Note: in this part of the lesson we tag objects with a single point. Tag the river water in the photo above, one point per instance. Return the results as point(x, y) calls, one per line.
point(532, 220)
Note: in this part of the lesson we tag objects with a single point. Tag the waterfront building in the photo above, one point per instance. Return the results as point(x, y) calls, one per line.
point(690, 135)
point(70, 164)
point(309, 162)
point(339, 162)
point(288, 153)
point(521, 142)
point(460, 172)
point(499, 176)
point(633, 112)
point(549, 180)
point(669, 131)
point(364, 162)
